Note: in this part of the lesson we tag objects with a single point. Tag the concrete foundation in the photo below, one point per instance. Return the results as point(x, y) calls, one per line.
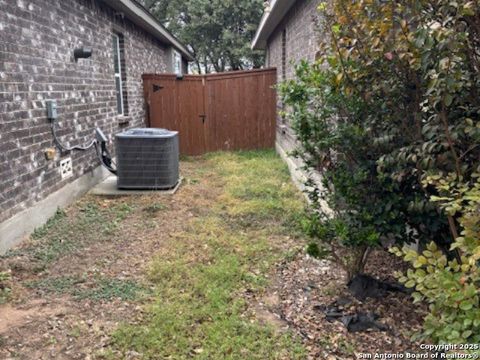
point(299, 176)
point(21, 225)
point(108, 187)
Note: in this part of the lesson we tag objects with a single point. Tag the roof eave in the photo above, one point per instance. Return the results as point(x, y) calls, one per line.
point(269, 22)
point(141, 17)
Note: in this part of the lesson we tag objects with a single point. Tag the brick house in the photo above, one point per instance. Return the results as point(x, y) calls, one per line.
point(37, 63)
point(289, 31)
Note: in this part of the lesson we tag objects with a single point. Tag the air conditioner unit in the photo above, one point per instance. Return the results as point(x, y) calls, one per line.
point(147, 159)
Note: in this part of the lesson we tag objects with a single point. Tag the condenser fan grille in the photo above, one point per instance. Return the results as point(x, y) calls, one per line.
point(147, 159)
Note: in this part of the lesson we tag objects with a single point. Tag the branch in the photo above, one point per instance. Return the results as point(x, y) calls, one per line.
point(444, 119)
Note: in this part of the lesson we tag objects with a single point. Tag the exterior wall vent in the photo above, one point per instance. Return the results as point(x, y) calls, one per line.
point(147, 159)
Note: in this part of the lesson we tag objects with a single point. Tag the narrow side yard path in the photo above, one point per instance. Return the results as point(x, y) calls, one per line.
point(160, 277)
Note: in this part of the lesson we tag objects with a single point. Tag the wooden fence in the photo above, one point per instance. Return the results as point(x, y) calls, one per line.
point(226, 111)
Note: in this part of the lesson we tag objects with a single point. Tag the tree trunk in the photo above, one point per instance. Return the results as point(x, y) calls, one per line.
point(357, 263)
point(199, 66)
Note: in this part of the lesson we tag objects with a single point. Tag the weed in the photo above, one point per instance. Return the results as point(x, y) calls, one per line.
point(5, 278)
point(91, 210)
point(64, 234)
point(316, 251)
point(154, 208)
point(97, 289)
point(122, 211)
point(56, 246)
point(58, 285)
point(186, 158)
point(110, 227)
point(52, 340)
point(40, 232)
point(290, 254)
point(313, 250)
point(331, 290)
point(106, 289)
point(75, 332)
point(60, 235)
point(347, 346)
point(114, 217)
point(106, 354)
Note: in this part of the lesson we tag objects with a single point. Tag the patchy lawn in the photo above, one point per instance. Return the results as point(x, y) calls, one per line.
point(159, 276)
point(215, 271)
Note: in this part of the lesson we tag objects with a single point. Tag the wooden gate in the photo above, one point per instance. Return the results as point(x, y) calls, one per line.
point(226, 111)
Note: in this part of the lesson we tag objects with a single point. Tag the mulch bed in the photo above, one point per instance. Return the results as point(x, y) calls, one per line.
point(305, 286)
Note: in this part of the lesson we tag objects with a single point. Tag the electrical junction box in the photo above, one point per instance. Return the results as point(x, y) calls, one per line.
point(51, 109)
point(50, 153)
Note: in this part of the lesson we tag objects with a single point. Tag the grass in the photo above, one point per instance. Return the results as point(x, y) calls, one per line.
point(5, 278)
point(51, 223)
point(154, 208)
point(240, 210)
point(198, 308)
point(107, 289)
point(64, 234)
point(96, 289)
point(59, 285)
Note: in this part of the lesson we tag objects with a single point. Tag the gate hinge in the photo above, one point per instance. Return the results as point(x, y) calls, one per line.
point(157, 87)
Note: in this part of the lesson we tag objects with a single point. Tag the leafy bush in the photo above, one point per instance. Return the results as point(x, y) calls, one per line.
point(343, 214)
point(315, 251)
point(450, 287)
point(389, 115)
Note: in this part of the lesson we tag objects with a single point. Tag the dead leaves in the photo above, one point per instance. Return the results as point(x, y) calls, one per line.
point(305, 285)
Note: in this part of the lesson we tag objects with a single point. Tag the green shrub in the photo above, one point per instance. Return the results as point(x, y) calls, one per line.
point(390, 117)
point(315, 251)
point(450, 287)
point(355, 208)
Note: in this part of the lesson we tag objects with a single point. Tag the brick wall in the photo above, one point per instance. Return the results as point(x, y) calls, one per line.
point(301, 28)
point(37, 38)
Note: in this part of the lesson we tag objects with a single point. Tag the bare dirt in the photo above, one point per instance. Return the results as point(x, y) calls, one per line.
point(50, 321)
point(58, 310)
point(304, 286)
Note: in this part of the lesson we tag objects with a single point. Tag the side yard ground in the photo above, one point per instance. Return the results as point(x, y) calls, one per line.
point(215, 271)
